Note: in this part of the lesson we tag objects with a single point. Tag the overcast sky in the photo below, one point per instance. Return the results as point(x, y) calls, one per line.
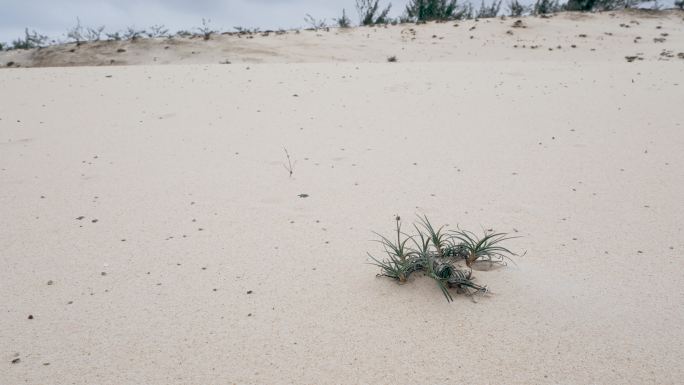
point(54, 17)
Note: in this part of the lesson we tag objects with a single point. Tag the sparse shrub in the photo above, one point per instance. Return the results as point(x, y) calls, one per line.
point(489, 11)
point(206, 30)
point(466, 12)
point(370, 13)
point(515, 9)
point(132, 34)
point(543, 7)
point(183, 33)
point(246, 31)
point(157, 31)
point(437, 254)
point(679, 4)
point(315, 24)
point(579, 5)
point(426, 10)
point(94, 34)
point(31, 40)
point(113, 36)
point(600, 5)
point(345, 22)
point(76, 33)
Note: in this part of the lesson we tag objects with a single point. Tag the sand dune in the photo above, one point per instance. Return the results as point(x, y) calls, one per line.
point(148, 226)
point(563, 37)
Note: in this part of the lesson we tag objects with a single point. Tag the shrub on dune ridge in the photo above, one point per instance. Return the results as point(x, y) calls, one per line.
point(132, 34)
point(543, 7)
point(31, 40)
point(158, 31)
point(76, 33)
point(315, 24)
point(427, 10)
point(344, 21)
point(489, 11)
point(516, 9)
point(436, 253)
point(370, 13)
point(94, 34)
point(206, 30)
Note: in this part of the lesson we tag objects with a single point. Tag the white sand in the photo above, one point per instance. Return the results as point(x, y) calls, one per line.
point(580, 151)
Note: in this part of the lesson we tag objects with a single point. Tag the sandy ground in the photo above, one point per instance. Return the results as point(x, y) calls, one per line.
point(176, 173)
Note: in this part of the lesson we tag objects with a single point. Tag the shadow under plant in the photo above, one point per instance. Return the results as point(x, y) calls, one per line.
point(438, 254)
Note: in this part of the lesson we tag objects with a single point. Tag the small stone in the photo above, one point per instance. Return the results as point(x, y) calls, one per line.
point(16, 360)
point(249, 292)
point(94, 221)
point(103, 273)
point(303, 195)
point(50, 282)
point(30, 316)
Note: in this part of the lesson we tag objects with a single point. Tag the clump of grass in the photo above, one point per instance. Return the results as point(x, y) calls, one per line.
point(344, 21)
point(486, 248)
point(437, 237)
point(370, 12)
point(400, 261)
point(437, 253)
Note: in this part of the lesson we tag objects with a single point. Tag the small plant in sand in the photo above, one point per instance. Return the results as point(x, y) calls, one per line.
point(489, 11)
point(94, 34)
point(132, 34)
point(370, 13)
point(344, 21)
point(437, 253)
point(543, 7)
point(515, 8)
point(288, 166)
point(392, 59)
point(427, 10)
point(157, 31)
point(314, 23)
point(206, 30)
point(115, 36)
point(76, 33)
point(486, 248)
point(31, 40)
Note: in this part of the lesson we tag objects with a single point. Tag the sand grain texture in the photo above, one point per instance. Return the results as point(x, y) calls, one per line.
point(182, 167)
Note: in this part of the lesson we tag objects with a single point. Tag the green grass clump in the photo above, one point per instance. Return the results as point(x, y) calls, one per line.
point(486, 248)
point(437, 254)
